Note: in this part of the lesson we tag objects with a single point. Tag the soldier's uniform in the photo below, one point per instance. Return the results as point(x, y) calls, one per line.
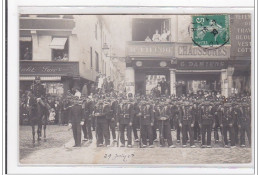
point(111, 118)
point(206, 122)
point(88, 107)
point(77, 120)
point(177, 116)
point(244, 122)
point(163, 116)
point(125, 120)
point(186, 122)
point(102, 109)
point(195, 113)
point(215, 112)
point(136, 122)
point(227, 123)
point(147, 121)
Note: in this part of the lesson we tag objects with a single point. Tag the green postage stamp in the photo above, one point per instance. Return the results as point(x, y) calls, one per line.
point(210, 30)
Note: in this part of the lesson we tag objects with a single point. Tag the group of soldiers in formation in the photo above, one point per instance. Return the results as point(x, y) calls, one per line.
point(193, 118)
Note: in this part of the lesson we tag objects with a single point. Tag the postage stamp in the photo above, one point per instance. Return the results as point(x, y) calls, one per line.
point(210, 30)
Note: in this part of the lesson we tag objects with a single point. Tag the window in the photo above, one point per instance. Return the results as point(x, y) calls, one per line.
point(145, 28)
point(25, 48)
point(97, 62)
point(91, 58)
point(60, 49)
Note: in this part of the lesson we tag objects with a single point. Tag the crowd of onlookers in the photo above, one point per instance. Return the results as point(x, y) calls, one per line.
point(163, 37)
point(59, 105)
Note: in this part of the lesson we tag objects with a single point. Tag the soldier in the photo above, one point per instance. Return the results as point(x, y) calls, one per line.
point(101, 111)
point(88, 107)
point(76, 120)
point(244, 122)
point(195, 113)
point(186, 123)
point(38, 89)
point(206, 122)
point(163, 115)
point(177, 115)
point(215, 112)
point(111, 117)
point(125, 121)
point(146, 122)
point(136, 122)
point(227, 123)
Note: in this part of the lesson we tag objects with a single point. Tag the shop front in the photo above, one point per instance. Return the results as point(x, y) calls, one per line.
point(57, 77)
point(178, 69)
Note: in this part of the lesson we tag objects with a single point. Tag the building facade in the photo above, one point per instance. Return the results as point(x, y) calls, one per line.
point(66, 51)
point(187, 68)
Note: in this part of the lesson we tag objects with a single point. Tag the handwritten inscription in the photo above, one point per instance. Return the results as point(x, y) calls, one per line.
point(123, 157)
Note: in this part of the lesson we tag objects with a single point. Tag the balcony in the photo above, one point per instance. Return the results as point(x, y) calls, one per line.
point(150, 49)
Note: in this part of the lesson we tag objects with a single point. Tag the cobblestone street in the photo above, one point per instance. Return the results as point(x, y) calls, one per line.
point(58, 150)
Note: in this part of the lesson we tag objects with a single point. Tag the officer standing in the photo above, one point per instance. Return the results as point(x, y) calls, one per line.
point(88, 107)
point(136, 122)
point(147, 121)
point(215, 112)
point(244, 122)
point(186, 122)
point(111, 117)
point(102, 109)
point(227, 123)
point(195, 113)
point(163, 115)
point(125, 121)
point(76, 120)
point(206, 123)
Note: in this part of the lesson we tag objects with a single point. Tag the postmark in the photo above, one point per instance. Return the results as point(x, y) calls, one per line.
point(210, 31)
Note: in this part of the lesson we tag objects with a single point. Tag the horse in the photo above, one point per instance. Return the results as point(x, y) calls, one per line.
point(38, 113)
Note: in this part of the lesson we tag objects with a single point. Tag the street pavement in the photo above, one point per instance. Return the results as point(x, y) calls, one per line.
point(58, 150)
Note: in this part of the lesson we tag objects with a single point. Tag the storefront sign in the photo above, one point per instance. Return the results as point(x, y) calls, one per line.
point(201, 65)
point(150, 49)
point(241, 35)
point(49, 68)
point(190, 51)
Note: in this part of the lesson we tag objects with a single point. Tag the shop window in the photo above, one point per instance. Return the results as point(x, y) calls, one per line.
point(97, 61)
point(25, 48)
point(60, 49)
point(157, 30)
point(55, 89)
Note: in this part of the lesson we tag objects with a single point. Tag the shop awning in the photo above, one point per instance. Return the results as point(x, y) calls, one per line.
point(58, 43)
point(43, 78)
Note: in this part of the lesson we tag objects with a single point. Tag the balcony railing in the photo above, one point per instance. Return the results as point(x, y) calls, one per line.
point(150, 49)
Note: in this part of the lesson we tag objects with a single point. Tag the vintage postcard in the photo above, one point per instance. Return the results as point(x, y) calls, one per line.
point(135, 89)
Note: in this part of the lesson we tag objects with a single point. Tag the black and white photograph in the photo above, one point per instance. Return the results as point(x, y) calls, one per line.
point(135, 89)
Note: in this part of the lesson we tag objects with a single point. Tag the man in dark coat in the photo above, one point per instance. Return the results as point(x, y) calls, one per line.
point(102, 109)
point(162, 112)
point(125, 121)
point(206, 122)
point(147, 121)
point(76, 120)
point(186, 122)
